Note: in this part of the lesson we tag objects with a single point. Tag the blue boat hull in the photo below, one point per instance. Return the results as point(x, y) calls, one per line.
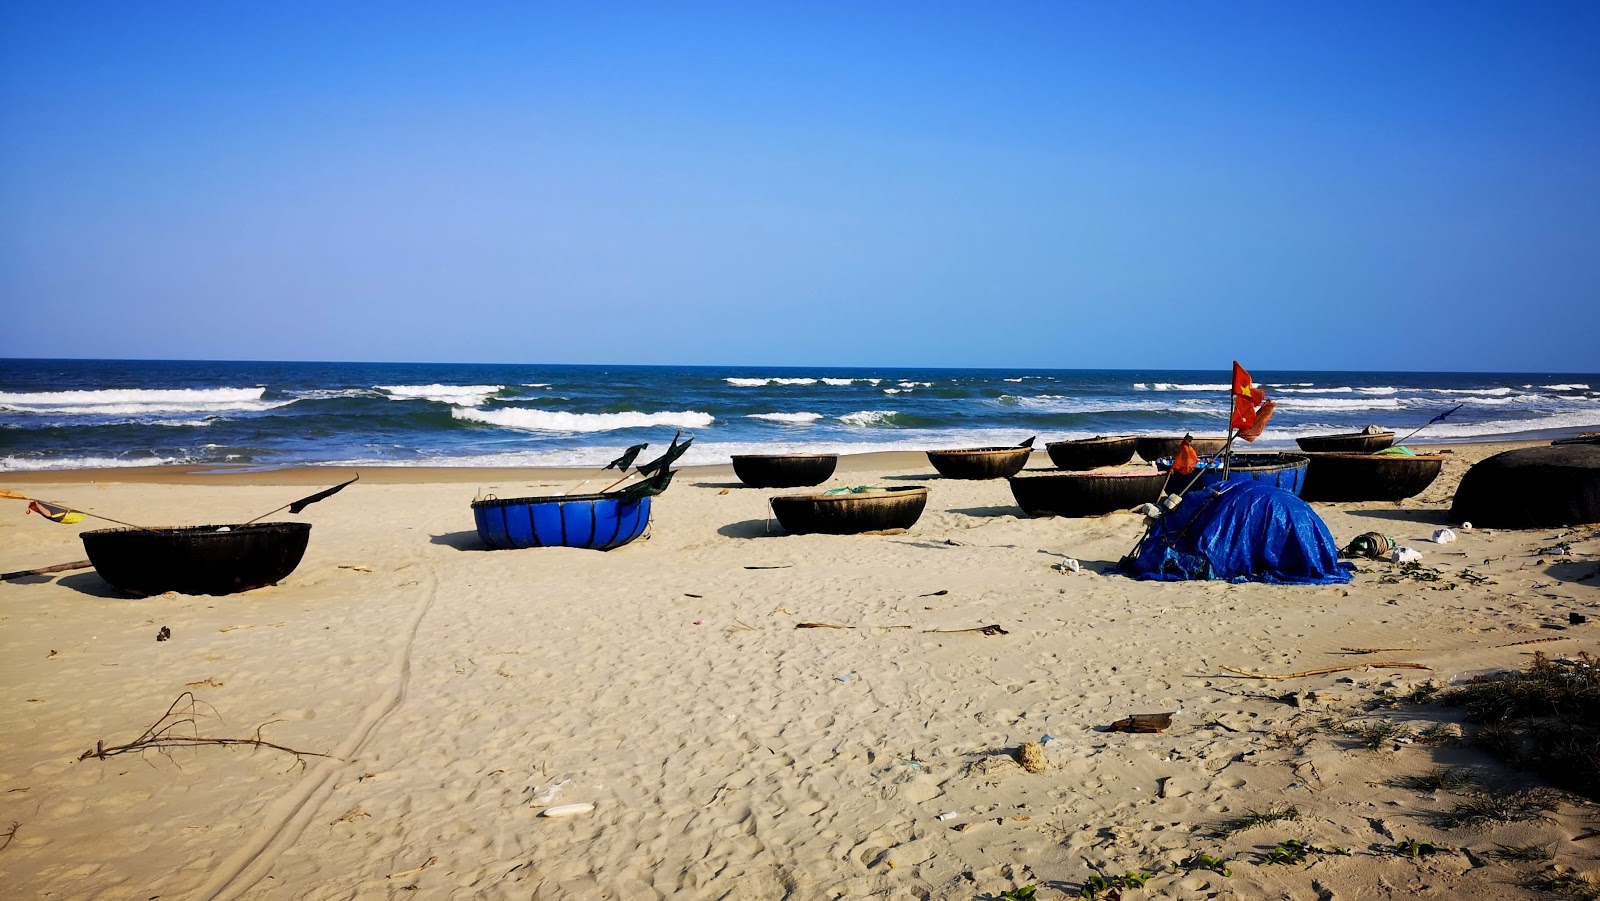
point(1286, 471)
point(596, 521)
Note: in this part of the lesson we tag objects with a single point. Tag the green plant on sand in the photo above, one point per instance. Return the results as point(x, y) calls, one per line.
point(1112, 885)
point(1294, 851)
point(1483, 810)
point(1440, 778)
point(1255, 819)
point(1022, 893)
point(1202, 861)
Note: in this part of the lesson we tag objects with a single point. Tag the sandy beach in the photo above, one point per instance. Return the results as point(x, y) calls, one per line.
point(458, 693)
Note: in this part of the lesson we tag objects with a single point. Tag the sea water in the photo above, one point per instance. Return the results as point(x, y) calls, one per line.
point(61, 414)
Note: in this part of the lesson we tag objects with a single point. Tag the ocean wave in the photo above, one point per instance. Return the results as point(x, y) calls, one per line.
point(1290, 384)
point(1494, 391)
point(786, 417)
point(139, 402)
point(458, 395)
point(333, 393)
point(1338, 403)
point(1575, 386)
point(1058, 403)
point(841, 382)
point(869, 418)
point(762, 383)
point(1502, 401)
point(552, 421)
point(916, 384)
point(897, 391)
point(1173, 386)
point(1343, 390)
point(31, 464)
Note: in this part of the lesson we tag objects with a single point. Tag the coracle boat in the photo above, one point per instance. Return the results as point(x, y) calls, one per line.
point(851, 511)
point(1085, 493)
point(1153, 447)
point(596, 521)
point(982, 462)
point(1369, 477)
point(1286, 471)
point(1091, 453)
point(215, 559)
point(1348, 443)
point(784, 470)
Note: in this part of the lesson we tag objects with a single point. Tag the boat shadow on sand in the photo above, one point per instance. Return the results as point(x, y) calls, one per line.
point(1416, 517)
point(461, 541)
point(753, 528)
point(90, 584)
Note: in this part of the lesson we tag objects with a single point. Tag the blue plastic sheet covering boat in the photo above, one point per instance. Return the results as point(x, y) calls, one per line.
point(597, 521)
point(1286, 471)
point(1241, 532)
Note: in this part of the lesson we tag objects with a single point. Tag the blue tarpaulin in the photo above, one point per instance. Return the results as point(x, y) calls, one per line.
point(1245, 532)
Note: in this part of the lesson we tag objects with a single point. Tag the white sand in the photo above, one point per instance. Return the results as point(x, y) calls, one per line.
point(728, 754)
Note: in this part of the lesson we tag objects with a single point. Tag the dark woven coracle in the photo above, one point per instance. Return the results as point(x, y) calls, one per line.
point(1368, 477)
point(1535, 487)
point(1348, 443)
point(784, 470)
point(1091, 453)
point(197, 559)
point(850, 514)
point(1153, 447)
point(980, 462)
point(1085, 493)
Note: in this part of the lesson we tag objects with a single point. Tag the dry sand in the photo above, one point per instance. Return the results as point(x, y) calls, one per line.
point(728, 754)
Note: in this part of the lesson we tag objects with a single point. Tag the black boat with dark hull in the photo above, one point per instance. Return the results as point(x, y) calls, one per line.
point(784, 470)
point(217, 559)
point(1334, 478)
point(1085, 493)
point(851, 513)
point(1348, 443)
point(1153, 447)
point(981, 462)
point(1091, 453)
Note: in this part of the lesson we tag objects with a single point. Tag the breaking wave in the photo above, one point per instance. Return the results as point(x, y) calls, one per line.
point(459, 395)
point(786, 417)
point(552, 421)
point(140, 402)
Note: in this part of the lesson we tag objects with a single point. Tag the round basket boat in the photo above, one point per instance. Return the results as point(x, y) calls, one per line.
point(1091, 453)
point(1349, 443)
point(216, 559)
point(594, 521)
point(980, 462)
point(784, 470)
point(850, 514)
point(1153, 447)
point(1369, 477)
point(1532, 488)
point(1085, 493)
point(1286, 471)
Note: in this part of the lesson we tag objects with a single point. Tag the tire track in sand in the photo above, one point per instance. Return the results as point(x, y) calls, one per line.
point(287, 817)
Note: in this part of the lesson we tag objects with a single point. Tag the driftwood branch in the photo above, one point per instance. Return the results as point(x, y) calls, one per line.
point(10, 834)
point(985, 630)
point(1321, 672)
point(47, 570)
point(159, 735)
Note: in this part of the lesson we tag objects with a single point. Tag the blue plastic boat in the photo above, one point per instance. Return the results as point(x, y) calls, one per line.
point(596, 521)
point(1286, 471)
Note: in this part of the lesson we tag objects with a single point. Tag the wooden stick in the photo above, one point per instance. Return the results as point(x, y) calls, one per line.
point(1321, 672)
point(46, 570)
point(1373, 650)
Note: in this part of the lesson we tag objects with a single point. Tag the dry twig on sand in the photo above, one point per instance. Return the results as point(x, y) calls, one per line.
point(160, 736)
point(1373, 650)
point(10, 834)
point(993, 629)
point(1321, 672)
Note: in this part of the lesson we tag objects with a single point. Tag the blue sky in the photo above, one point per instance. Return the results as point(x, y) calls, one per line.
point(1332, 186)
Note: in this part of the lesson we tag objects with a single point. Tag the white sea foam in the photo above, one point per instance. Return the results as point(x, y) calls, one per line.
point(841, 382)
point(761, 383)
point(1343, 390)
point(1502, 401)
point(1494, 391)
point(1378, 390)
point(1290, 384)
point(868, 418)
point(28, 464)
point(786, 417)
point(332, 393)
point(1338, 403)
point(897, 391)
point(1171, 386)
point(139, 402)
point(459, 395)
point(553, 421)
point(1057, 403)
point(916, 384)
point(1575, 386)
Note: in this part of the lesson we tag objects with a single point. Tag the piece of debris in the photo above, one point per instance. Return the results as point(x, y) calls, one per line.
point(1031, 756)
point(1143, 722)
point(164, 634)
point(1575, 618)
point(567, 810)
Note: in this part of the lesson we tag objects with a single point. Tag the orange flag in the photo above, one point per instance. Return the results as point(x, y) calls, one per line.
point(1185, 461)
point(1247, 400)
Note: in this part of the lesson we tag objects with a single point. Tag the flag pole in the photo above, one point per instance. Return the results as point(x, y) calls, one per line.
point(1439, 418)
point(12, 495)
